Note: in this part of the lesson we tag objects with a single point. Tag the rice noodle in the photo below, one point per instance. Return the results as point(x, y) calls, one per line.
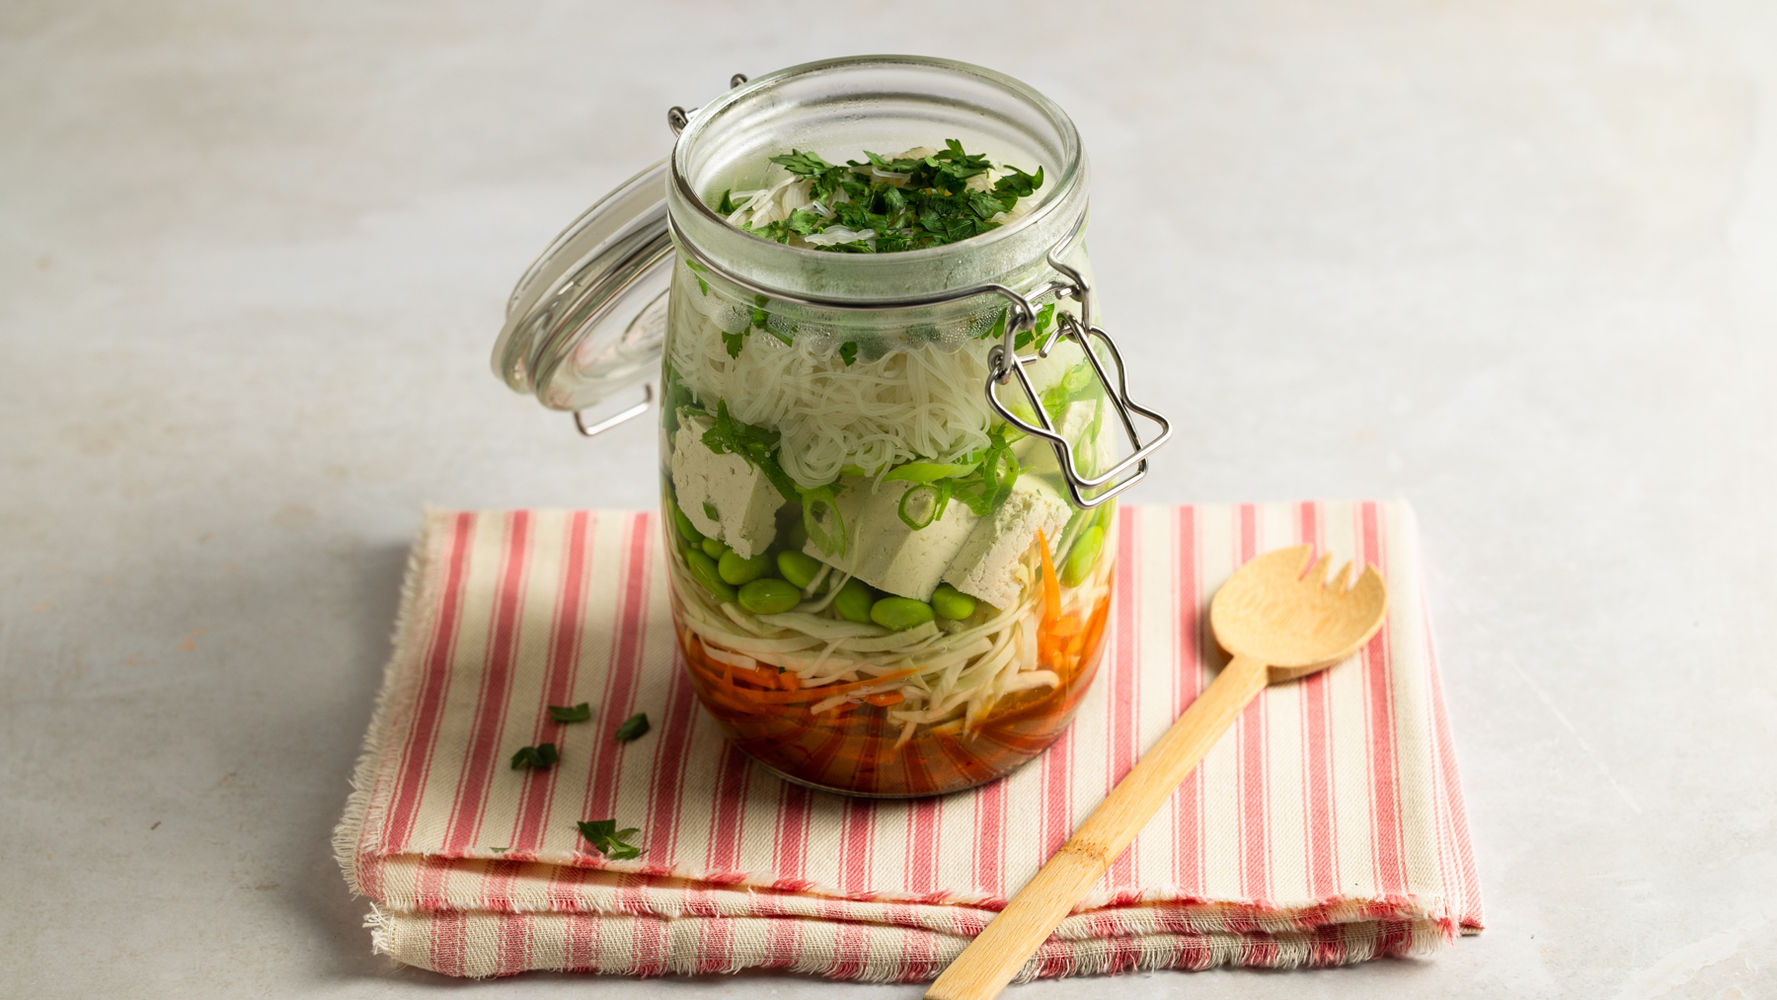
point(925, 402)
point(889, 400)
point(958, 676)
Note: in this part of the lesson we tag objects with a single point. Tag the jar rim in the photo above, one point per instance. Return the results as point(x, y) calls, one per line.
point(1057, 216)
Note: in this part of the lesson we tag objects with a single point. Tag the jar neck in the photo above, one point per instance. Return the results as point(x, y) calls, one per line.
point(842, 107)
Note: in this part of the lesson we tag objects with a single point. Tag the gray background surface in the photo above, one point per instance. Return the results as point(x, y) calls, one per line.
point(1512, 261)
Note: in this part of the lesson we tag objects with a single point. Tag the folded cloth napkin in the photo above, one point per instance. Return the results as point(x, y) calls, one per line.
point(1326, 827)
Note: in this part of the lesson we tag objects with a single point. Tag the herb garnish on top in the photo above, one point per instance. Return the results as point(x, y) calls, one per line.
point(903, 203)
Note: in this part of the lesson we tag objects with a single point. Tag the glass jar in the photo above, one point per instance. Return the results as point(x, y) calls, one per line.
point(887, 478)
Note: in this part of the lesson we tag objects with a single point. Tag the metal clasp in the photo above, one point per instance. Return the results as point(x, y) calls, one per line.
point(1004, 362)
point(629, 413)
point(677, 117)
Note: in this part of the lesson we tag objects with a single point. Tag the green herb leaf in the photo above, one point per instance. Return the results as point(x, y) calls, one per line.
point(733, 342)
point(1019, 183)
point(571, 713)
point(710, 511)
point(926, 201)
point(727, 206)
point(848, 352)
point(698, 269)
point(728, 436)
point(802, 164)
point(1045, 317)
point(984, 489)
point(613, 843)
point(541, 757)
point(985, 205)
point(633, 728)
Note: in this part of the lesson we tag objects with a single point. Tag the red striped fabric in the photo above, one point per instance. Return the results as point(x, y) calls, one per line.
point(1327, 828)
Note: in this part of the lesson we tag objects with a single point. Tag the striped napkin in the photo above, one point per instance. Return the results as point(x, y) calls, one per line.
point(1327, 827)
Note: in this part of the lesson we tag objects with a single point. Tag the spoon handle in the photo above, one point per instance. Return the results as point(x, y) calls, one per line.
point(999, 951)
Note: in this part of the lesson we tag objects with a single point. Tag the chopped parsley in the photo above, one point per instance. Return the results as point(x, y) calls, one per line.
point(698, 269)
point(541, 757)
point(571, 713)
point(633, 728)
point(1045, 316)
point(923, 201)
point(734, 342)
point(758, 445)
point(610, 841)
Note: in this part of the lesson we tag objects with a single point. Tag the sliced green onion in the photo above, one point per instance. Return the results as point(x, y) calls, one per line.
point(830, 542)
point(928, 472)
point(940, 498)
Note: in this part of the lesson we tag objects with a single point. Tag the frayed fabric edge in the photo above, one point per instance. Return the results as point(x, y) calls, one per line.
point(397, 690)
point(407, 939)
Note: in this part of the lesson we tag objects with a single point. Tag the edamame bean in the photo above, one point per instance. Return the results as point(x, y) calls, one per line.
point(737, 571)
point(684, 527)
point(798, 568)
point(703, 570)
point(1080, 561)
point(900, 613)
point(854, 600)
point(713, 547)
point(769, 596)
point(950, 602)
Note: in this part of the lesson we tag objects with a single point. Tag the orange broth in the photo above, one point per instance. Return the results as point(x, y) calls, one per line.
point(851, 748)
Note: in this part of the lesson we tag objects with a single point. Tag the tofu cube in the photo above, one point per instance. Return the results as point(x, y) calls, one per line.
point(744, 501)
point(882, 550)
point(987, 566)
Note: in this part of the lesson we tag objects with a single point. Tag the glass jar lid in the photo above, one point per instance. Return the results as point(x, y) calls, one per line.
point(589, 315)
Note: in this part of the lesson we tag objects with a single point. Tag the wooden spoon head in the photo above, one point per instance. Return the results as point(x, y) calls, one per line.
point(1295, 624)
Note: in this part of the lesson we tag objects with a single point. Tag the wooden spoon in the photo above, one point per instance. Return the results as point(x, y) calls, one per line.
point(1279, 625)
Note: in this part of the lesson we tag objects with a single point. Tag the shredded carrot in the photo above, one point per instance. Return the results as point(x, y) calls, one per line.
point(729, 699)
point(1065, 626)
point(826, 691)
point(770, 714)
point(1051, 586)
point(1075, 644)
point(757, 676)
point(802, 695)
